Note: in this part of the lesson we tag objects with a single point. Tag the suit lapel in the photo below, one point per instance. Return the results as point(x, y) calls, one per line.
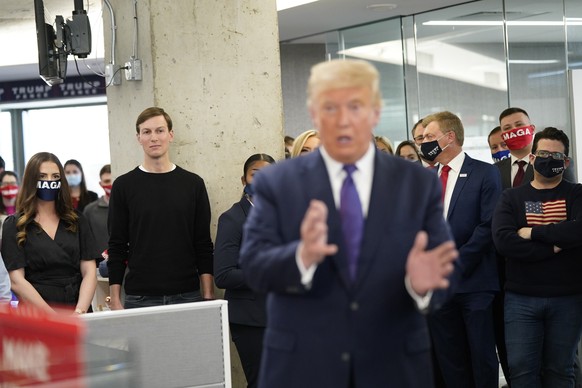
point(245, 206)
point(463, 177)
point(505, 170)
point(318, 186)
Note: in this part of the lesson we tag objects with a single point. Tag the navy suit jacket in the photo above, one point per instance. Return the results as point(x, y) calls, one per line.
point(475, 195)
point(371, 325)
point(245, 307)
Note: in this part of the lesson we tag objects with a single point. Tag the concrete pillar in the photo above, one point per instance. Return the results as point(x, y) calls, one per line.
point(213, 65)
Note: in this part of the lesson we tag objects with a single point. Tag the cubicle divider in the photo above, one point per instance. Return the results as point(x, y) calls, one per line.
point(184, 345)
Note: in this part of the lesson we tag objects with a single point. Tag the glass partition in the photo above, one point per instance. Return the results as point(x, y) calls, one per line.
point(573, 10)
point(475, 60)
point(381, 44)
point(537, 61)
point(461, 68)
point(80, 132)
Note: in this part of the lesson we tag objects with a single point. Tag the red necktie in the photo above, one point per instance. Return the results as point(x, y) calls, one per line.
point(444, 178)
point(518, 179)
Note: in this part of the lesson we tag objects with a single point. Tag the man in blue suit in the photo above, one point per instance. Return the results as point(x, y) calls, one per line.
point(349, 259)
point(462, 329)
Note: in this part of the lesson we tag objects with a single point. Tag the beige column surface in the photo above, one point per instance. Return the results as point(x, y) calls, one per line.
point(214, 66)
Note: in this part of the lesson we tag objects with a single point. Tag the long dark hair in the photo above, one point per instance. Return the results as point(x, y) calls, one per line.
point(407, 143)
point(84, 197)
point(255, 158)
point(26, 201)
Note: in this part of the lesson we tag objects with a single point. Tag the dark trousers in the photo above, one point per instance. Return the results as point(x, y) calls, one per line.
point(137, 301)
point(499, 324)
point(542, 336)
point(499, 321)
point(464, 341)
point(249, 345)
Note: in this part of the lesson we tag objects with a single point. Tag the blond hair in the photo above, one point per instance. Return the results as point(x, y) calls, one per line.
point(387, 143)
point(340, 74)
point(300, 141)
point(447, 122)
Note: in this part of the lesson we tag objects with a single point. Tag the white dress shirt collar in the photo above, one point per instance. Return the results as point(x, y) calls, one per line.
point(455, 164)
point(363, 176)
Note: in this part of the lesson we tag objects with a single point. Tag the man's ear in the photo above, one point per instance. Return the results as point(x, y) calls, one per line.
point(567, 163)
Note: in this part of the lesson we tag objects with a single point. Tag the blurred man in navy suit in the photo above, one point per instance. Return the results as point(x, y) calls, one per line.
point(351, 246)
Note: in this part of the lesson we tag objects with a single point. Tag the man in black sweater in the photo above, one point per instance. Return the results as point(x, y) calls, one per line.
point(537, 228)
point(159, 223)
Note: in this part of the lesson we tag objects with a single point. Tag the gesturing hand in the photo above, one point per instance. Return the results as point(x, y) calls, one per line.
point(314, 246)
point(428, 269)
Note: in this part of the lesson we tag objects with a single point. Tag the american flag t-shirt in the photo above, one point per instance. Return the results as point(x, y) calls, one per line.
point(544, 213)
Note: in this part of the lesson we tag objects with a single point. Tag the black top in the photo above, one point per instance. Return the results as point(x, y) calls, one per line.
point(555, 216)
point(91, 196)
point(245, 307)
point(50, 265)
point(160, 225)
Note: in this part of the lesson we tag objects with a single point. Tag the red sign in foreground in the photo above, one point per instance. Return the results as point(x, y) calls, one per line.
point(37, 348)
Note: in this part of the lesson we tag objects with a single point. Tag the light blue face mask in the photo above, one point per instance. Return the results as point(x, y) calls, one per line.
point(48, 190)
point(74, 179)
point(500, 155)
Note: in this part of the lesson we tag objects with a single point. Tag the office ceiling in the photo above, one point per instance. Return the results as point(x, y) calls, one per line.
point(304, 24)
point(17, 28)
point(329, 15)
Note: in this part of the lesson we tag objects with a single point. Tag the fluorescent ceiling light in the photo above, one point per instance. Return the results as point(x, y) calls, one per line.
point(533, 61)
point(438, 59)
point(285, 4)
point(516, 23)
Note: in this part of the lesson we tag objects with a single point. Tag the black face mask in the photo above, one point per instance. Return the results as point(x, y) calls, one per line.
point(549, 167)
point(48, 190)
point(248, 189)
point(430, 150)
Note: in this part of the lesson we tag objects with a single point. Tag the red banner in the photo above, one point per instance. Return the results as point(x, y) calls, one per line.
point(37, 348)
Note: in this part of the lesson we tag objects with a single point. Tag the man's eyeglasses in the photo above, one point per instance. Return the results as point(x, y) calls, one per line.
point(419, 139)
point(554, 155)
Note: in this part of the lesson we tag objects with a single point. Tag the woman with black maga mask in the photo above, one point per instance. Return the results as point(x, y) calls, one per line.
point(246, 308)
point(47, 246)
